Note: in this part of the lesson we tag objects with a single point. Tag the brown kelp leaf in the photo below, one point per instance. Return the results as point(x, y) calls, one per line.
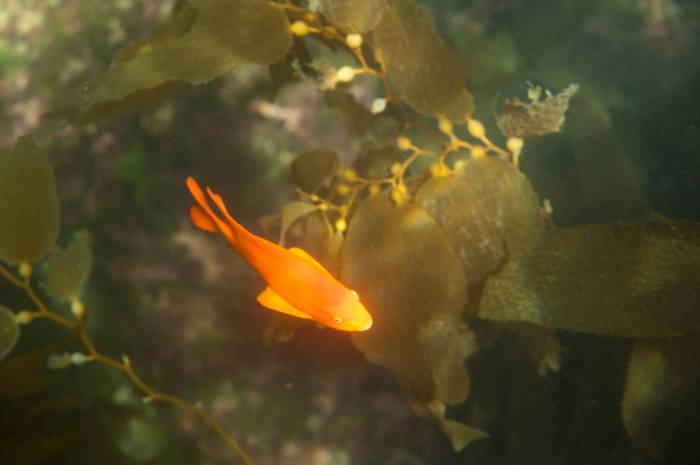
point(292, 212)
point(662, 386)
point(375, 164)
point(633, 280)
point(335, 243)
point(22, 376)
point(425, 72)
point(201, 41)
point(318, 237)
point(355, 117)
point(541, 344)
point(460, 434)
point(28, 203)
point(375, 130)
point(353, 15)
point(311, 169)
point(461, 108)
point(9, 332)
point(539, 116)
point(488, 212)
point(414, 286)
point(69, 268)
point(608, 180)
point(607, 184)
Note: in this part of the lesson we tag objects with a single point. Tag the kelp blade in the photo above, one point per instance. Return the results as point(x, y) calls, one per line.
point(411, 282)
point(662, 392)
point(9, 332)
point(488, 212)
point(29, 211)
point(202, 40)
point(420, 65)
point(69, 268)
point(635, 280)
point(357, 16)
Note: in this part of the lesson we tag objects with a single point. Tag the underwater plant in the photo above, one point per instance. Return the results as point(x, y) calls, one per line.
point(431, 221)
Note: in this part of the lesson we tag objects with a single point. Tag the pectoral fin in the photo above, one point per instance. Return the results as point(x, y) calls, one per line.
point(272, 300)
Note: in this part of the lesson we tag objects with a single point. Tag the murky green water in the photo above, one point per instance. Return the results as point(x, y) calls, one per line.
point(508, 188)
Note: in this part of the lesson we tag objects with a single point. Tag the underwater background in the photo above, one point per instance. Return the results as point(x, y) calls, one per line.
point(511, 186)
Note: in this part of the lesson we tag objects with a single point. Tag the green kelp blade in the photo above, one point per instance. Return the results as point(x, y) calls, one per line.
point(357, 16)
point(292, 212)
point(68, 269)
point(201, 41)
point(9, 332)
point(662, 390)
point(488, 212)
point(311, 169)
point(414, 286)
point(29, 212)
point(422, 68)
point(634, 280)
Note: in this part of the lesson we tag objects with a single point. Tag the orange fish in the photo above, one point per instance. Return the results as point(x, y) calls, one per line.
point(297, 284)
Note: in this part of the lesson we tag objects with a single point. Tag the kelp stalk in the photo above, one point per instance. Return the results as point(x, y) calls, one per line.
point(94, 355)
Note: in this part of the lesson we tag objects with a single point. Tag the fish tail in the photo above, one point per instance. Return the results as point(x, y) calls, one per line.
point(204, 217)
point(202, 220)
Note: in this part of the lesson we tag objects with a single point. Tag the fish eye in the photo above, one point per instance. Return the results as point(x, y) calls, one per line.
point(336, 319)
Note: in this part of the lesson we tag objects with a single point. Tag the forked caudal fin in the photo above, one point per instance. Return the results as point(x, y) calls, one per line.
point(200, 219)
point(204, 217)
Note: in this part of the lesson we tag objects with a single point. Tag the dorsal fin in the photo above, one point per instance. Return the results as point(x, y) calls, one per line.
point(308, 258)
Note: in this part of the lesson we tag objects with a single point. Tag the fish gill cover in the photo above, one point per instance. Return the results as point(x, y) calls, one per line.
point(433, 219)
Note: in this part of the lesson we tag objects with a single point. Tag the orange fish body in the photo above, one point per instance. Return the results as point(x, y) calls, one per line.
point(296, 283)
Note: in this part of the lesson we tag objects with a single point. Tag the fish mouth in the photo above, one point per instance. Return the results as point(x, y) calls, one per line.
point(367, 324)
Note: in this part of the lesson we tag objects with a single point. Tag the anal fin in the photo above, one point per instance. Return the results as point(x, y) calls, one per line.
point(272, 300)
